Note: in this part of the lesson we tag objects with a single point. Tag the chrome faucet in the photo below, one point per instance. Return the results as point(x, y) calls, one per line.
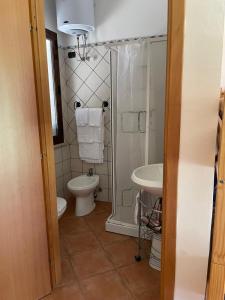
point(90, 172)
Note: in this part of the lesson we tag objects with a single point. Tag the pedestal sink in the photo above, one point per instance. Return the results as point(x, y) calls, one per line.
point(149, 178)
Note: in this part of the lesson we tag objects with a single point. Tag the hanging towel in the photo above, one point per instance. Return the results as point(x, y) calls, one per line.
point(91, 138)
point(88, 134)
point(91, 152)
point(95, 117)
point(82, 116)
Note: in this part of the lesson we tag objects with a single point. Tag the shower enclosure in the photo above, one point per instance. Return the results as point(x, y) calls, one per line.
point(138, 100)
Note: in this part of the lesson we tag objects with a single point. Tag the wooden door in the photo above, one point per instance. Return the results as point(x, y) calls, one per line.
point(45, 128)
point(24, 265)
point(217, 265)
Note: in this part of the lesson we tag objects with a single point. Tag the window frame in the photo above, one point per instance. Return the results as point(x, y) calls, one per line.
point(52, 36)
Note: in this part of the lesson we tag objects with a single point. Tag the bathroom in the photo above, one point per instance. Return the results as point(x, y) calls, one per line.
point(137, 212)
point(119, 76)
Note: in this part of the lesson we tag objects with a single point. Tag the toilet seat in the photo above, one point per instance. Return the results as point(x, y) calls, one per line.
point(83, 182)
point(61, 206)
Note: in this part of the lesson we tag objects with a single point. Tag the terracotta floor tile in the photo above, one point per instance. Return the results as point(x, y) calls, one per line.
point(70, 211)
point(83, 257)
point(107, 238)
point(63, 251)
point(68, 275)
point(81, 242)
point(102, 207)
point(97, 221)
point(107, 286)
point(141, 279)
point(72, 225)
point(152, 294)
point(71, 292)
point(145, 247)
point(90, 263)
point(122, 253)
point(49, 297)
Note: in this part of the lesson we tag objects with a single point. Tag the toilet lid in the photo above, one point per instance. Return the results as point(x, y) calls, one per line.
point(61, 205)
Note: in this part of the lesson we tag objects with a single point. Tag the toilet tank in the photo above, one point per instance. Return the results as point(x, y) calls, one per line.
point(75, 17)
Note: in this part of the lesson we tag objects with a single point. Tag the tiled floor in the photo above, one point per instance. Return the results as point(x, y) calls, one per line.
point(99, 265)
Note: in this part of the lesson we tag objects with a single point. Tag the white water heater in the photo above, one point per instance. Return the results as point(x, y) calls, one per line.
point(75, 17)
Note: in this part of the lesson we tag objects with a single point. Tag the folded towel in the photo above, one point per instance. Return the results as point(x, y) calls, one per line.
point(95, 117)
point(91, 152)
point(82, 116)
point(88, 134)
point(94, 161)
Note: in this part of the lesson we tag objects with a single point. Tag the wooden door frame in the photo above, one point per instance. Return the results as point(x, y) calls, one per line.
point(172, 140)
point(45, 128)
point(176, 16)
point(216, 284)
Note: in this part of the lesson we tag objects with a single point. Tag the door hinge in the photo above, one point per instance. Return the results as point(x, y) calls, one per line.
point(222, 181)
point(32, 28)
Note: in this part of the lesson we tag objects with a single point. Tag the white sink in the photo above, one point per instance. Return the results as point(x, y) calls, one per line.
point(149, 178)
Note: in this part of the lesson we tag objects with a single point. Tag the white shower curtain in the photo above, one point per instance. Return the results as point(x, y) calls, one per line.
point(129, 74)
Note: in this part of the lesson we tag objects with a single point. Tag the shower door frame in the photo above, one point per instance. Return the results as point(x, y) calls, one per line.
point(113, 225)
point(172, 141)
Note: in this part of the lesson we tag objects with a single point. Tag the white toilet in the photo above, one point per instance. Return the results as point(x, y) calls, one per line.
point(61, 206)
point(82, 187)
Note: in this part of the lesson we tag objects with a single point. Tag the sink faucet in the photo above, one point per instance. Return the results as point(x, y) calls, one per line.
point(90, 172)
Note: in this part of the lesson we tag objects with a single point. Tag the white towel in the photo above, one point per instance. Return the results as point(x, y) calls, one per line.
point(95, 117)
point(88, 134)
point(91, 152)
point(82, 116)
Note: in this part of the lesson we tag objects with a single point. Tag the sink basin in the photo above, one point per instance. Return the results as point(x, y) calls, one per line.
point(149, 178)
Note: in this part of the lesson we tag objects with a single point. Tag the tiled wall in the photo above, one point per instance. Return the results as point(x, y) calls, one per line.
point(62, 152)
point(89, 83)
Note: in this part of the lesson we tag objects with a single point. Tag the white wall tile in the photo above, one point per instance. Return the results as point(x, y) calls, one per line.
point(66, 179)
point(109, 153)
point(103, 195)
point(87, 166)
point(110, 195)
point(75, 174)
point(110, 182)
point(76, 165)
point(105, 153)
point(59, 187)
point(58, 155)
point(94, 88)
point(59, 170)
point(74, 151)
point(103, 181)
point(101, 169)
point(66, 152)
point(66, 166)
point(110, 168)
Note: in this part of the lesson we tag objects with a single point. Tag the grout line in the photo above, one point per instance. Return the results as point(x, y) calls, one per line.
point(115, 268)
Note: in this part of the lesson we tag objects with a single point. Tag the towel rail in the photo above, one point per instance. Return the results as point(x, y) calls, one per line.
point(104, 105)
